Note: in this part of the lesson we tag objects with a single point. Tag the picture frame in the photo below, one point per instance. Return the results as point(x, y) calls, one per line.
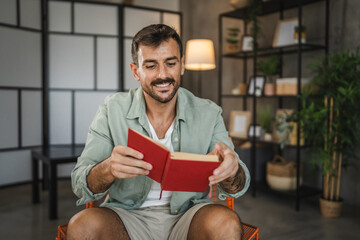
point(246, 43)
point(257, 131)
point(284, 33)
point(258, 90)
point(239, 123)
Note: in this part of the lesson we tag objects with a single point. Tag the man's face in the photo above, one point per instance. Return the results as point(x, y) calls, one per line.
point(159, 70)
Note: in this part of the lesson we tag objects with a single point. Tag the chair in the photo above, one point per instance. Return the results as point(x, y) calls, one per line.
point(250, 232)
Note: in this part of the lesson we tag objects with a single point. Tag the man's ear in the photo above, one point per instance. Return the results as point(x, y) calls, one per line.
point(182, 65)
point(134, 70)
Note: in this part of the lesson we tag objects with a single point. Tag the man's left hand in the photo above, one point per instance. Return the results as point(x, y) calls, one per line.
point(229, 166)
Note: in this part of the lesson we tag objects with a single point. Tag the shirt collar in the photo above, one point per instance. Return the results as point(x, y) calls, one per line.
point(137, 108)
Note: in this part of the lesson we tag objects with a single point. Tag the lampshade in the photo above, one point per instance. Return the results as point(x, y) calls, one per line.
point(200, 55)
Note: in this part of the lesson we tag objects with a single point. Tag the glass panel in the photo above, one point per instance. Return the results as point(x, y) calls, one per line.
point(172, 5)
point(71, 62)
point(8, 11)
point(96, 19)
point(86, 106)
point(31, 119)
point(15, 167)
point(8, 119)
point(129, 80)
point(20, 58)
point(60, 117)
point(30, 13)
point(107, 63)
point(134, 23)
point(59, 16)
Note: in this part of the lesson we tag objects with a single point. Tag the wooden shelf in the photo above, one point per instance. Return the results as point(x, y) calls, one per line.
point(268, 8)
point(268, 51)
point(304, 191)
point(251, 96)
point(257, 140)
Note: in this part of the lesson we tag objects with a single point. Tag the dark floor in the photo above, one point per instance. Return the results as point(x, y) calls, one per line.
point(275, 216)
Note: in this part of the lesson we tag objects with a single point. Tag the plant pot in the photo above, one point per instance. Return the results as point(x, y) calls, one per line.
point(242, 88)
point(330, 209)
point(232, 48)
point(270, 89)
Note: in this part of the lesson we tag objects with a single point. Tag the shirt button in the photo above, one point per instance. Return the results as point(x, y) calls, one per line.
point(176, 211)
point(176, 139)
point(195, 200)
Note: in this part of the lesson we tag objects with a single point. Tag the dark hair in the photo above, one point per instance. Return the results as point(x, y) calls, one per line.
point(153, 35)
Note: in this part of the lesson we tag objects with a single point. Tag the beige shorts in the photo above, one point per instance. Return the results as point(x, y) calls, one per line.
point(157, 222)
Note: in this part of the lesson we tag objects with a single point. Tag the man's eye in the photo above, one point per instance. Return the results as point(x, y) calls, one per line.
point(150, 66)
point(171, 64)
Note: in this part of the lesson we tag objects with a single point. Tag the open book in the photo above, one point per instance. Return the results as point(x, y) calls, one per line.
point(176, 171)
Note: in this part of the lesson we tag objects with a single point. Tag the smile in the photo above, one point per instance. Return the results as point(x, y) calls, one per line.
point(163, 84)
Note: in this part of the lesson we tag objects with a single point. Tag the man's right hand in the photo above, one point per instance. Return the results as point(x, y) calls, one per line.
point(126, 162)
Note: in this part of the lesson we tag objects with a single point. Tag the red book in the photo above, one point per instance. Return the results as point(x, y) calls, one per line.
point(177, 171)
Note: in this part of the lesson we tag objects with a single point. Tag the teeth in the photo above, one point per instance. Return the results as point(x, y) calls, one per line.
point(163, 85)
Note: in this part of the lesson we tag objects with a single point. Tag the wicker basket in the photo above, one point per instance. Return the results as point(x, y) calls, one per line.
point(281, 174)
point(330, 209)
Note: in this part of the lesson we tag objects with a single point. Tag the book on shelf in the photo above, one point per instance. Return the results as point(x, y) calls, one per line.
point(175, 171)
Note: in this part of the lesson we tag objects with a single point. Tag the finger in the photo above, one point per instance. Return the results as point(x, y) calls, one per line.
point(226, 169)
point(127, 151)
point(217, 179)
point(227, 165)
point(133, 162)
point(222, 150)
point(213, 152)
point(123, 169)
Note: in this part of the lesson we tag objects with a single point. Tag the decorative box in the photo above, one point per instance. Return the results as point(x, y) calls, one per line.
point(289, 86)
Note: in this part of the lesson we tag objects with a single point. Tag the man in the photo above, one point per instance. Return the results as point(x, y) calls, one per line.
point(172, 115)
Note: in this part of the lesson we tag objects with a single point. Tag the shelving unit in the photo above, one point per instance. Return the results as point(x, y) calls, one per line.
point(270, 7)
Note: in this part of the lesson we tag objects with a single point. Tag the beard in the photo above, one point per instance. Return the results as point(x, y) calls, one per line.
point(158, 98)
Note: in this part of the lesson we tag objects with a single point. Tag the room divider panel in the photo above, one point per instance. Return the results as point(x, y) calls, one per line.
point(59, 60)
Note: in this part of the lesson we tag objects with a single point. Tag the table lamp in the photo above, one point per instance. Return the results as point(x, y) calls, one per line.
point(199, 56)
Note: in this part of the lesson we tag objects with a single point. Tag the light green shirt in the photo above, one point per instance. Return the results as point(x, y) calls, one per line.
point(198, 127)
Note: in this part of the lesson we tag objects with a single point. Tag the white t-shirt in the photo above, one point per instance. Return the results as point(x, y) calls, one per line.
point(154, 194)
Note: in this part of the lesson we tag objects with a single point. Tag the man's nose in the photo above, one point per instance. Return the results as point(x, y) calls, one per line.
point(163, 73)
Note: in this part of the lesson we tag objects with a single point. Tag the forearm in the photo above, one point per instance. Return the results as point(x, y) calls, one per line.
point(100, 178)
point(236, 183)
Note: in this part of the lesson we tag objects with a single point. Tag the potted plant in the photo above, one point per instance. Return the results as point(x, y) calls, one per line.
point(330, 122)
point(265, 119)
point(232, 40)
point(270, 68)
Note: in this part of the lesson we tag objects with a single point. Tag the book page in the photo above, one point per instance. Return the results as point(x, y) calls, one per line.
point(194, 157)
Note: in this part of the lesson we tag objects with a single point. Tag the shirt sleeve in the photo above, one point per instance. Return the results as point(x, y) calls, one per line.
point(98, 147)
point(221, 135)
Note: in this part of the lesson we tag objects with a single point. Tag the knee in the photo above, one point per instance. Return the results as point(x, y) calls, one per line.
point(223, 223)
point(84, 224)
